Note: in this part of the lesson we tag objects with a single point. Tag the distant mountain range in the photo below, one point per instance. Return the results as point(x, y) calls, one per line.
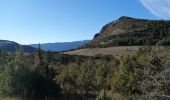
point(61, 46)
point(11, 46)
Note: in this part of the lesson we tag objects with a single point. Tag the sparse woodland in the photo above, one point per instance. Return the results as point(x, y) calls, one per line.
point(51, 76)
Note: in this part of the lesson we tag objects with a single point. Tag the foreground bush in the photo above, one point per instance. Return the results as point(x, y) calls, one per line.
point(21, 78)
point(140, 75)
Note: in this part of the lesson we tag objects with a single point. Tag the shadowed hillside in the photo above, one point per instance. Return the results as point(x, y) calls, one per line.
point(10, 46)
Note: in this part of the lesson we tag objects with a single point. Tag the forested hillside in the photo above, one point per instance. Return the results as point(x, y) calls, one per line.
point(128, 31)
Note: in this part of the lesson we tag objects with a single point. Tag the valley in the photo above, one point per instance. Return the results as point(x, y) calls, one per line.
point(84, 49)
point(128, 60)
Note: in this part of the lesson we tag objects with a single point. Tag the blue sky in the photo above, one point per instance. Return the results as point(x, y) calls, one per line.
point(44, 21)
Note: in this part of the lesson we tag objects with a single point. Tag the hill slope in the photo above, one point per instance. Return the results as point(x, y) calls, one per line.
point(127, 31)
point(61, 46)
point(126, 34)
point(115, 51)
point(10, 46)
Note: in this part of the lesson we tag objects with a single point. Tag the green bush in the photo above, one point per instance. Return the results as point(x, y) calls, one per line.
point(20, 78)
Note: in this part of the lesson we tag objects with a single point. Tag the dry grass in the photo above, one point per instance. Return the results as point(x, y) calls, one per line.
point(115, 51)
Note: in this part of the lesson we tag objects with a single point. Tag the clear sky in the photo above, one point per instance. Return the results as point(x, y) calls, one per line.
point(44, 21)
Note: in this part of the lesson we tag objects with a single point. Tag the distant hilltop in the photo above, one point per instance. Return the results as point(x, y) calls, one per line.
point(11, 46)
